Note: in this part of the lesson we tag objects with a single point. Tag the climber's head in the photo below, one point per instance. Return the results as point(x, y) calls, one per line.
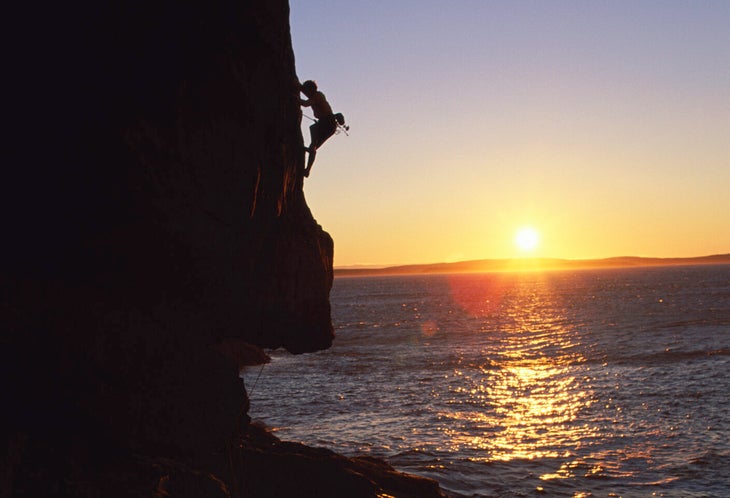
point(309, 88)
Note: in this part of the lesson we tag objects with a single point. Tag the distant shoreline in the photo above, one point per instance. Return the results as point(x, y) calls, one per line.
point(530, 264)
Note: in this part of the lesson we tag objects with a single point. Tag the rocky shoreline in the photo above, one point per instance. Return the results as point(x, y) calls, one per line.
point(321, 472)
point(258, 465)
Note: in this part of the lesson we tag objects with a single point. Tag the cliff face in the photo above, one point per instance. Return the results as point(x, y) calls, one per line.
point(154, 226)
point(153, 216)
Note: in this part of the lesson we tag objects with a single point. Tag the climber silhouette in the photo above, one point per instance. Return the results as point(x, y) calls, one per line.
point(326, 123)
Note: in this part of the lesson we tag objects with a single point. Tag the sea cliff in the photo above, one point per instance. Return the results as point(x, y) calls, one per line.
point(155, 231)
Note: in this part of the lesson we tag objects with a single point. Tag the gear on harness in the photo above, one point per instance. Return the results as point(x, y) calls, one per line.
point(339, 118)
point(341, 126)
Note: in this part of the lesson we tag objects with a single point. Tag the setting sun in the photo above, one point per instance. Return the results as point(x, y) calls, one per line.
point(527, 239)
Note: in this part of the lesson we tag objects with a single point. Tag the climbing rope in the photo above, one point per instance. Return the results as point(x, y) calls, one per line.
point(250, 393)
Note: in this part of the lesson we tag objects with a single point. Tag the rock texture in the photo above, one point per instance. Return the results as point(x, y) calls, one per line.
point(154, 227)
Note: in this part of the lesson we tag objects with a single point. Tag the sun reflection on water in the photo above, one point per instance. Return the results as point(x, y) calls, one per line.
point(525, 400)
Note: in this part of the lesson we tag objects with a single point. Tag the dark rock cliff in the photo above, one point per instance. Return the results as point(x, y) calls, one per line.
point(154, 224)
point(158, 210)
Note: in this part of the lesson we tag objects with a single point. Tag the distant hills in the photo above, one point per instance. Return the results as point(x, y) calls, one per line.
point(531, 264)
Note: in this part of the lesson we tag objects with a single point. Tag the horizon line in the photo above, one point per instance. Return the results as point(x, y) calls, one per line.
point(498, 264)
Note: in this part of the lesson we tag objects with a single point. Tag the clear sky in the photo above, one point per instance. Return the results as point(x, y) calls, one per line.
point(605, 126)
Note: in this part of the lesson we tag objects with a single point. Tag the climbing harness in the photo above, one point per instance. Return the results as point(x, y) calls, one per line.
point(339, 119)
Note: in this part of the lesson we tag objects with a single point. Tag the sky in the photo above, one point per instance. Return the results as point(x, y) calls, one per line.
point(604, 126)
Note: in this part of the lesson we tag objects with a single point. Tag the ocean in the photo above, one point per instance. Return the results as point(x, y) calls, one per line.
point(604, 383)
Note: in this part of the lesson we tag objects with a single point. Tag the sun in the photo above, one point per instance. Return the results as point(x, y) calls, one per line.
point(527, 239)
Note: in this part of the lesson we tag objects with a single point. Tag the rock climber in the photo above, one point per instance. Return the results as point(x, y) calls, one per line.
point(326, 123)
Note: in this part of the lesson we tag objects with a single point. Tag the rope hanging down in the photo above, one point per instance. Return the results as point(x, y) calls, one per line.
point(256, 381)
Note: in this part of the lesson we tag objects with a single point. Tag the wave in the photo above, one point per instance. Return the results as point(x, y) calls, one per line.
point(665, 357)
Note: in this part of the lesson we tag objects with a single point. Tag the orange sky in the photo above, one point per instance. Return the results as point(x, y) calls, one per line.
point(602, 125)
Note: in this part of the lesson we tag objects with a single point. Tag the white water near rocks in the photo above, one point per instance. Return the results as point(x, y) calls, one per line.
point(571, 383)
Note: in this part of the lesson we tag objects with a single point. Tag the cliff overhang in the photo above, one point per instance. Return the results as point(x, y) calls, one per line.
point(153, 215)
point(155, 227)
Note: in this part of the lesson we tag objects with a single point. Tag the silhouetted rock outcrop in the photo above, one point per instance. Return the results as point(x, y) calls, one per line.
point(157, 211)
point(320, 473)
point(155, 233)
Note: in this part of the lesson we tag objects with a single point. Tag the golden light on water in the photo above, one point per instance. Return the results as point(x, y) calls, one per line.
point(528, 410)
point(528, 393)
point(536, 404)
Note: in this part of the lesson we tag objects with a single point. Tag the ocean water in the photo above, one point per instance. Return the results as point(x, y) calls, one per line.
point(611, 382)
